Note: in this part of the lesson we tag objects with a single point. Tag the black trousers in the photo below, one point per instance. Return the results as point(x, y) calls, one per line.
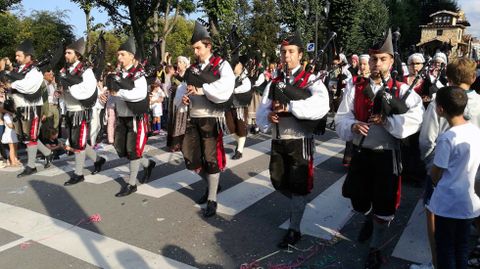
point(78, 128)
point(202, 146)
point(130, 136)
point(27, 125)
point(290, 171)
point(372, 183)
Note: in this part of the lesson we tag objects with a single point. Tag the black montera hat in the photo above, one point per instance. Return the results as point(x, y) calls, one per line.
point(384, 45)
point(199, 33)
point(27, 47)
point(129, 46)
point(293, 39)
point(78, 46)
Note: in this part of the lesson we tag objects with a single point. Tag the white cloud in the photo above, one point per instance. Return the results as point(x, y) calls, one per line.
point(472, 12)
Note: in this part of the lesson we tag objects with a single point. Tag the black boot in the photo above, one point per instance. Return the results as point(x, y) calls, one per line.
point(366, 230)
point(74, 180)
point(148, 172)
point(374, 259)
point(291, 238)
point(27, 171)
point(48, 160)
point(98, 165)
point(126, 190)
point(204, 197)
point(211, 209)
point(237, 155)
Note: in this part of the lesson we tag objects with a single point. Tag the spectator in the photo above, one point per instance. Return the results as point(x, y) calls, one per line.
point(454, 201)
point(9, 136)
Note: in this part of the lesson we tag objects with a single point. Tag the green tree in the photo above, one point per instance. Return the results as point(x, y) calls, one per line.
point(137, 16)
point(264, 27)
point(221, 15)
point(7, 4)
point(370, 22)
point(45, 29)
point(178, 41)
point(9, 27)
point(113, 41)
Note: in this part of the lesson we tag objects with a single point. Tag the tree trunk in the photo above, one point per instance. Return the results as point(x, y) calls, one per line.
point(137, 31)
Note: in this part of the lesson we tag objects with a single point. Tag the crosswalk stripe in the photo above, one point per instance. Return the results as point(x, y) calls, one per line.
point(183, 178)
point(413, 244)
point(96, 249)
point(123, 170)
point(243, 195)
point(325, 215)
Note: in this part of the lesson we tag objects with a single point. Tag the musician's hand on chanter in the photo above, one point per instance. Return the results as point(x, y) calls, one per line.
point(186, 100)
point(376, 119)
point(103, 97)
point(273, 117)
point(360, 128)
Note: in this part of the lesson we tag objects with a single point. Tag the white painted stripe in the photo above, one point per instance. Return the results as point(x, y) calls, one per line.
point(241, 196)
point(82, 244)
point(13, 244)
point(325, 215)
point(413, 244)
point(183, 178)
point(123, 170)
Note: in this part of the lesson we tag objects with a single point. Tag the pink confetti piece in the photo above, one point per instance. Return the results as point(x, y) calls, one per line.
point(95, 218)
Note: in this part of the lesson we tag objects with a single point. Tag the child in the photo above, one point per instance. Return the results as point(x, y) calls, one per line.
point(156, 99)
point(51, 141)
point(454, 202)
point(9, 136)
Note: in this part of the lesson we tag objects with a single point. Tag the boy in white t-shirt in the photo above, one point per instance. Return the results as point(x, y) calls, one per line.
point(454, 201)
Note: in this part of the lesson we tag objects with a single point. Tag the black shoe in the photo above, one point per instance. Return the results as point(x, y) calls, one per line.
point(211, 209)
point(27, 171)
point(74, 180)
point(48, 160)
point(148, 172)
point(374, 259)
point(366, 230)
point(291, 238)
point(126, 190)
point(98, 165)
point(204, 197)
point(237, 155)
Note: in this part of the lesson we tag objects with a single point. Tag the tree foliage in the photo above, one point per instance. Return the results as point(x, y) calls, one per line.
point(9, 27)
point(264, 27)
point(7, 4)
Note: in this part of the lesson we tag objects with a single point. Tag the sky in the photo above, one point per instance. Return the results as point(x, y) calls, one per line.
point(77, 17)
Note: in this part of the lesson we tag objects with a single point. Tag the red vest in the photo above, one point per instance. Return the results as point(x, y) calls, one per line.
point(362, 105)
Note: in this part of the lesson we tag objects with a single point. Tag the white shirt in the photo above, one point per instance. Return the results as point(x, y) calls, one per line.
point(217, 92)
point(433, 125)
point(80, 91)
point(457, 152)
point(28, 85)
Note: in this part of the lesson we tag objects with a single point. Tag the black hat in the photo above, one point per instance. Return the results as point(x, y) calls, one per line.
point(294, 39)
point(199, 33)
point(383, 46)
point(27, 47)
point(243, 59)
point(78, 46)
point(129, 46)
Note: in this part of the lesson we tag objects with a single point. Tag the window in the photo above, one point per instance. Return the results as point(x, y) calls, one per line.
point(439, 32)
